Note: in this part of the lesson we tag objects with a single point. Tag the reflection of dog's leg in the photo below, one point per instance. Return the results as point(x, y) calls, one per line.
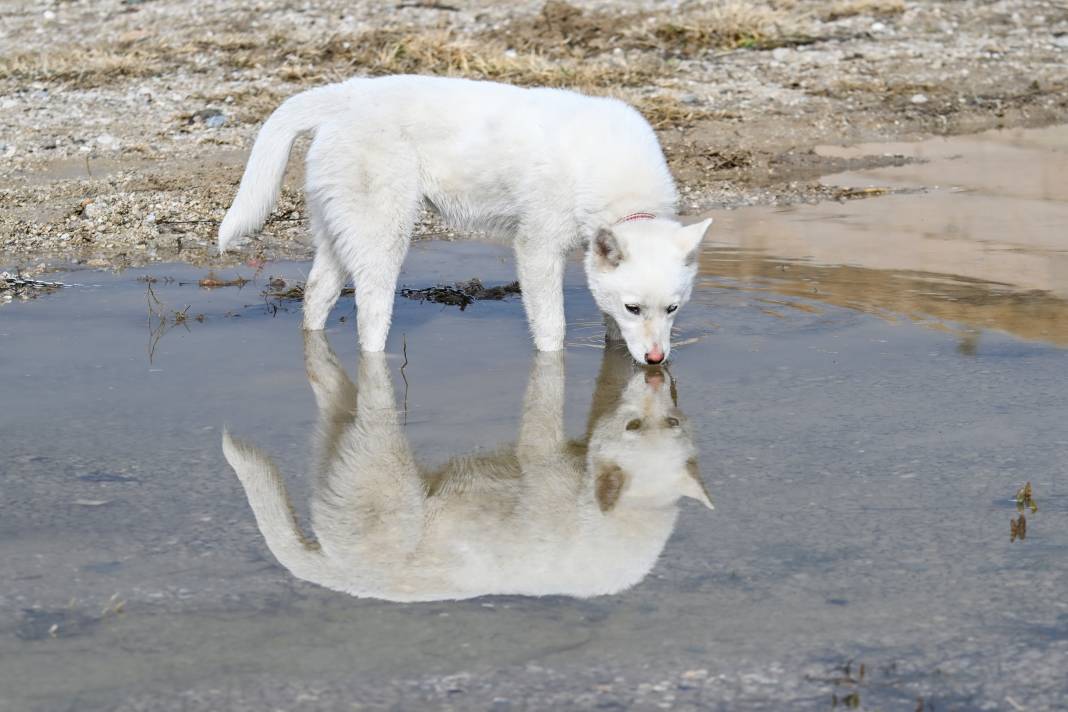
point(326, 279)
point(335, 394)
point(371, 470)
point(612, 334)
point(551, 480)
point(274, 514)
point(541, 431)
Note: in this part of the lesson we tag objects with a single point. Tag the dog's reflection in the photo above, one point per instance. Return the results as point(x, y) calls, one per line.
point(546, 516)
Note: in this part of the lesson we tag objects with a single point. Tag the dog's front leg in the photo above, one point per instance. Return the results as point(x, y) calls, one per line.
point(541, 277)
point(612, 334)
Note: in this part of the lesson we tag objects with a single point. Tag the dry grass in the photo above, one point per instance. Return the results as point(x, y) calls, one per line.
point(303, 60)
point(561, 30)
point(871, 8)
point(84, 67)
point(445, 53)
point(561, 46)
point(729, 25)
point(664, 112)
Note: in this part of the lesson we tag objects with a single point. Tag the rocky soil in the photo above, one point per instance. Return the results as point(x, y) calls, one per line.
point(124, 123)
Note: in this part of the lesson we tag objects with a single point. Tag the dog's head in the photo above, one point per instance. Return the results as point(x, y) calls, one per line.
point(641, 454)
point(641, 273)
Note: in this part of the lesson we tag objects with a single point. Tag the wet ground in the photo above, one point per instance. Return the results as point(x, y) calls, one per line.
point(867, 385)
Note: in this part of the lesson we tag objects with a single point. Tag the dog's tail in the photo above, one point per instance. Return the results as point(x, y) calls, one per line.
point(274, 514)
point(266, 167)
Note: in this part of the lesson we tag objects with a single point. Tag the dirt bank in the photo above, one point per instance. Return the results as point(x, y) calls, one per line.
point(125, 123)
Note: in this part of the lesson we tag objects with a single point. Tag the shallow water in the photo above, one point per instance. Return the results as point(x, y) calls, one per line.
point(866, 384)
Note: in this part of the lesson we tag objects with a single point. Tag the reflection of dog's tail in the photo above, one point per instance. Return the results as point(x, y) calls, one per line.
point(270, 504)
point(262, 180)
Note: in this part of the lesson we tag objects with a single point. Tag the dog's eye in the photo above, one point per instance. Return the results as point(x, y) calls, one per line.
point(634, 424)
point(672, 422)
point(671, 309)
point(633, 308)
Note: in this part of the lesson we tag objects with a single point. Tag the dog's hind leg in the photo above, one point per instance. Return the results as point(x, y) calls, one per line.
point(325, 281)
point(370, 231)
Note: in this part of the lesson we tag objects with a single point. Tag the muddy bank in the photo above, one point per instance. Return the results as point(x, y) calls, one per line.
point(126, 125)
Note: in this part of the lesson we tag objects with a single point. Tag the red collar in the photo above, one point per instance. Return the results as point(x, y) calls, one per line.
point(635, 216)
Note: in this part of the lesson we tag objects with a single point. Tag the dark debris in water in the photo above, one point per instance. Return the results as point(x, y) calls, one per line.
point(461, 294)
point(1017, 529)
point(213, 282)
point(15, 286)
point(1024, 501)
point(280, 290)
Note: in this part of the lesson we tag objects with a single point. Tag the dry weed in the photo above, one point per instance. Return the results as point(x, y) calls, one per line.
point(871, 8)
point(727, 24)
point(304, 61)
point(731, 25)
point(663, 112)
point(445, 53)
point(562, 30)
point(84, 67)
point(561, 46)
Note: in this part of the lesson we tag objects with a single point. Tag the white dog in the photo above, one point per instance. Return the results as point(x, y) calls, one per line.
point(550, 169)
point(545, 516)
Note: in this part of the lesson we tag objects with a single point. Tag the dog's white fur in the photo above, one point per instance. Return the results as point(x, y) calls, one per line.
point(543, 517)
point(551, 169)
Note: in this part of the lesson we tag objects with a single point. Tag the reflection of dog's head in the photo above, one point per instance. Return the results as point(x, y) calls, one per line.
point(641, 453)
point(640, 274)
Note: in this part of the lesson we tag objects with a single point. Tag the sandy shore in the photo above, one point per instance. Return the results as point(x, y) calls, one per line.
point(125, 124)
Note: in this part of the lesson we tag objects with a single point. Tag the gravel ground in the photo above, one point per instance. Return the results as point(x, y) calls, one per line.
point(125, 124)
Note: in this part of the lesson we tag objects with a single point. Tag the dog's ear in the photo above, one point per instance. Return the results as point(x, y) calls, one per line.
point(606, 249)
point(609, 485)
point(694, 487)
point(689, 238)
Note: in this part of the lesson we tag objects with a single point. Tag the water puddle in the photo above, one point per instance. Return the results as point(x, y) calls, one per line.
point(973, 240)
point(862, 389)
